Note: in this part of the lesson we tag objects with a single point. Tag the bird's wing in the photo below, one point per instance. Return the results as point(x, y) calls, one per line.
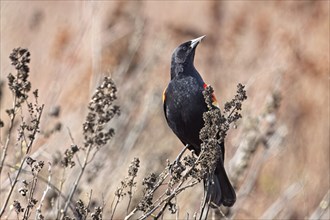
point(165, 113)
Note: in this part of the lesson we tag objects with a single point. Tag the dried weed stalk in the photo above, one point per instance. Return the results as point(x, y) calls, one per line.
point(96, 131)
point(127, 187)
point(191, 170)
point(20, 87)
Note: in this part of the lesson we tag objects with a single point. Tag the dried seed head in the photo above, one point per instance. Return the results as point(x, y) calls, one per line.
point(17, 207)
point(23, 191)
point(19, 84)
point(30, 161)
point(101, 111)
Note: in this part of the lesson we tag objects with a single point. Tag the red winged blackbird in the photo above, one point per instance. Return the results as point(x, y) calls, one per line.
point(184, 106)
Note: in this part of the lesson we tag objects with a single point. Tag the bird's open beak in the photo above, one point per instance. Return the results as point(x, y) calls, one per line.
point(196, 41)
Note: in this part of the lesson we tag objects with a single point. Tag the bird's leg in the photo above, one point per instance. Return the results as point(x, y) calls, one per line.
point(176, 164)
point(178, 158)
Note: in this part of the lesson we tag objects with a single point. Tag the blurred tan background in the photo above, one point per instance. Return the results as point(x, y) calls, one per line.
point(268, 46)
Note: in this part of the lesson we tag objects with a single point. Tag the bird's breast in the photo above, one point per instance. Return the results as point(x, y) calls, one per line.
point(184, 110)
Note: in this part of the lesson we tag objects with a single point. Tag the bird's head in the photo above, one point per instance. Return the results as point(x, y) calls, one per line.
point(183, 56)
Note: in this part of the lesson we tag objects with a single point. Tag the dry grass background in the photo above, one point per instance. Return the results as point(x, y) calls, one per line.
point(268, 46)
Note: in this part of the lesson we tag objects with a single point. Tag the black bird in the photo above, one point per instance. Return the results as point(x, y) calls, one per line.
point(184, 106)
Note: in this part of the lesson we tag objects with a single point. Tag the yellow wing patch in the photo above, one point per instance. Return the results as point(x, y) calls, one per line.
point(164, 96)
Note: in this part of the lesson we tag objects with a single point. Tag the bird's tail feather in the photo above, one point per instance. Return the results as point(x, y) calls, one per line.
point(218, 188)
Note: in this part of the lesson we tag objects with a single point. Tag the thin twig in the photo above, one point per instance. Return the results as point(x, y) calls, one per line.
point(130, 194)
point(117, 201)
point(93, 156)
point(48, 187)
point(42, 179)
point(22, 164)
point(177, 191)
point(74, 188)
point(89, 201)
point(70, 135)
point(27, 210)
point(161, 212)
point(131, 214)
point(11, 182)
point(60, 191)
point(5, 148)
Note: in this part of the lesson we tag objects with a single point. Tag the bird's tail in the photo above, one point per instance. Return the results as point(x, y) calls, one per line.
point(218, 188)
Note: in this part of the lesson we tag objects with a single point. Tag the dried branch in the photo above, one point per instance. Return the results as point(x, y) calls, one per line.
point(14, 182)
point(95, 131)
point(190, 171)
point(75, 185)
point(19, 86)
point(36, 167)
point(48, 187)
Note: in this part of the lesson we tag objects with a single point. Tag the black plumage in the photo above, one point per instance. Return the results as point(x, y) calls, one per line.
point(184, 106)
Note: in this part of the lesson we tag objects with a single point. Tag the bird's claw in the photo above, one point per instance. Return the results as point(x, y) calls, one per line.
point(177, 162)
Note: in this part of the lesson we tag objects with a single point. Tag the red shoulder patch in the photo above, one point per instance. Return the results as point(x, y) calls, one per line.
point(214, 99)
